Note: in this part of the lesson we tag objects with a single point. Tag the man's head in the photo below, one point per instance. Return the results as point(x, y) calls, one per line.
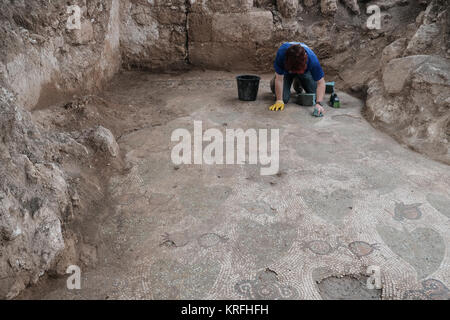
point(296, 59)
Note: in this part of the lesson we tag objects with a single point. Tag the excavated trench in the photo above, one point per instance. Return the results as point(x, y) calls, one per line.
point(89, 179)
point(342, 197)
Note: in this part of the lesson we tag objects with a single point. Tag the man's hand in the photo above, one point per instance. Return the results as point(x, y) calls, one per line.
point(320, 109)
point(279, 105)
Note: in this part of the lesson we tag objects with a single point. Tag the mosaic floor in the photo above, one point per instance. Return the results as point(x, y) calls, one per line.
point(346, 197)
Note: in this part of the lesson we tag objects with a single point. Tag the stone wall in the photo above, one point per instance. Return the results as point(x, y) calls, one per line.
point(228, 37)
point(227, 34)
point(410, 96)
point(154, 34)
point(43, 61)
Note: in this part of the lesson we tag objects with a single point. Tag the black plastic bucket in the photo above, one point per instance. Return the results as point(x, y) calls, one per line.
point(248, 86)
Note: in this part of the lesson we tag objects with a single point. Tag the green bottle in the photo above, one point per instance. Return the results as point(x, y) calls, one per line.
point(334, 101)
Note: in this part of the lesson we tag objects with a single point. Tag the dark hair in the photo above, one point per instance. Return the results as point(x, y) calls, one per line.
point(295, 58)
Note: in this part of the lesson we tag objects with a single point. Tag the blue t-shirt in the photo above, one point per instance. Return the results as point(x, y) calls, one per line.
point(313, 64)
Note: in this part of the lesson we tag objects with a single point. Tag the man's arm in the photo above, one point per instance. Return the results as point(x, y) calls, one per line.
point(279, 83)
point(320, 94)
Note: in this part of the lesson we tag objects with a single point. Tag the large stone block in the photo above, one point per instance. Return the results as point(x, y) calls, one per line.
point(435, 71)
point(393, 51)
point(200, 27)
point(223, 55)
point(423, 39)
point(171, 15)
point(234, 27)
point(103, 140)
point(398, 72)
point(288, 8)
point(260, 24)
point(228, 27)
point(221, 6)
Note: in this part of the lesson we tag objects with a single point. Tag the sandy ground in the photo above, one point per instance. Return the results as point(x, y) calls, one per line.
point(346, 197)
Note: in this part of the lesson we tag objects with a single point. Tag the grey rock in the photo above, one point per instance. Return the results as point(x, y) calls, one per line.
point(328, 7)
point(104, 140)
point(288, 8)
point(423, 39)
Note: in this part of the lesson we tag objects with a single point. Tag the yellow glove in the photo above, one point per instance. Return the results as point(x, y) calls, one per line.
point(279, 105)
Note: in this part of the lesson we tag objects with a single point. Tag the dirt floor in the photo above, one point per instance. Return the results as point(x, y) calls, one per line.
point(346, 197)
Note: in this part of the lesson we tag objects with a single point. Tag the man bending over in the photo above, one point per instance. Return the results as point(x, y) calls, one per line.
point(295, 60)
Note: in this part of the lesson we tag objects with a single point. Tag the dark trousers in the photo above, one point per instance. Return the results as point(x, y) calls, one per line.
point(305, 81)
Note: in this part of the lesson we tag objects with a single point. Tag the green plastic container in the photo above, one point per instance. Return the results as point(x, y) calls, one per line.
point(306, 99)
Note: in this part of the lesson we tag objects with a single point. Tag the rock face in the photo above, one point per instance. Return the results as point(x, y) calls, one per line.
point(84, 35)
point(353, 5)
point(399, 71)
point(288, 8)
point(39, 51)
point(43, 62)
point(422, 41)
point(225, 38)
point(154, 34)
point(229, 36)
point(410, 98)
point(33, 198)
point(102, 139)
point(392, 51)
point(328, 7)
